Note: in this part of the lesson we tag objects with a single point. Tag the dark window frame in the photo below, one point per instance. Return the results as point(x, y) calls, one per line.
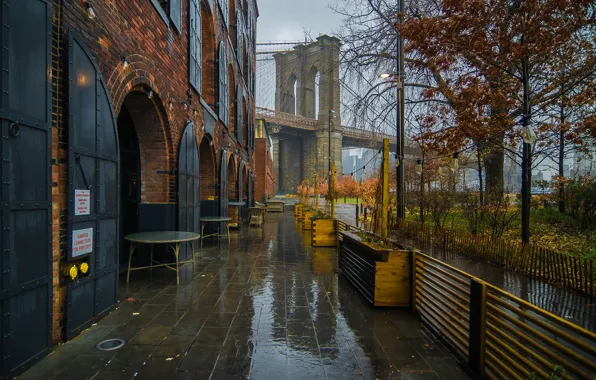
point(165, 17)
point(195, 36)
point(224, 7)
point(224, 85)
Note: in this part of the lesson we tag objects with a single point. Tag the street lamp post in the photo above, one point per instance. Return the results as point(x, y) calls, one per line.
point(400, 133)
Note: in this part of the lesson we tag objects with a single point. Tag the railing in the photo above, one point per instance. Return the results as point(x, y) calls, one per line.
point(442, 298)
point(497, 335)
point(570, 271)
point(522, 339)
point(284, 118)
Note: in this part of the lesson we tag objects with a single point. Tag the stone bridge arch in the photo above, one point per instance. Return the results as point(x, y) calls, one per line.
point(299, 157)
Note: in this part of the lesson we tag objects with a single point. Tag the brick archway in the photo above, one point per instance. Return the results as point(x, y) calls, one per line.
point(232, 178)
point(150, 123)
point(208, 170)
point(246, 181)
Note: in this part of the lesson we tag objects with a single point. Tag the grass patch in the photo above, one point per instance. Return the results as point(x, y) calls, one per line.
point(549, 228)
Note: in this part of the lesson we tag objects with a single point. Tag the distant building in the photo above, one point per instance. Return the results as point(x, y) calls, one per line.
point(264, 170)
point(582, 164)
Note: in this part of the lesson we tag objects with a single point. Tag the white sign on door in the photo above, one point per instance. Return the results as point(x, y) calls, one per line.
point(82, 202)
point(82, 242)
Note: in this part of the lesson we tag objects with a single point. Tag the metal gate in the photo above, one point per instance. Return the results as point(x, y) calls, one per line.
point(93, 176)
point(189, 200)
point(26, 239)
point(241, 209)
point(251, 189)
point(223, 186)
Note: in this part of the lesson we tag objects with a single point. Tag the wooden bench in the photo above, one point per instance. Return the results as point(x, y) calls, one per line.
point(275, 206)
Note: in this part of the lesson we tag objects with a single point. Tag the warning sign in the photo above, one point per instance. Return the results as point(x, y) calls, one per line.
point(82, 242)
point(82, 202)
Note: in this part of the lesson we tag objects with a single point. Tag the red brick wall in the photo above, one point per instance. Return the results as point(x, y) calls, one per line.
point(265, 186)
point(158, 60)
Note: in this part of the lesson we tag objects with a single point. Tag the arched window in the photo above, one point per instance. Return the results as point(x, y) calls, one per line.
point(249, 22)
point(239, 114)
point(225, 9)
point(224, 86)
point(195, 60)
point(239, 38)
point(249, 74)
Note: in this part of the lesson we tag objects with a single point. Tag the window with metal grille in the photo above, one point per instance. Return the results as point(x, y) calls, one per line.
point(224, 86)
point(249, 84)
point(195, 59)
point(174, 11)
point(239, 38)
point(176, 14)
point(224, 6)
point(239, 115)
point(249, 22)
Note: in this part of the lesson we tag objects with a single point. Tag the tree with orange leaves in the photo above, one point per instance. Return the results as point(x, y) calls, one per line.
point(495, 67)
point(368, 191)
point(347, 186)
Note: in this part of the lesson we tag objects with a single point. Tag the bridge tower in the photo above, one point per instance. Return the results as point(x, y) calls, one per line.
point(297, 73)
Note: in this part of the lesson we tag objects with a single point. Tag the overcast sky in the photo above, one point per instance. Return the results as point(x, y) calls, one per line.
point(286, 20)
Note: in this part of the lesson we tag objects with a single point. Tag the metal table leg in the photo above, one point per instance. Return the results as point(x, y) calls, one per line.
point(176, 252)
point(133, 245)
point(192, 247)
point(202, 233)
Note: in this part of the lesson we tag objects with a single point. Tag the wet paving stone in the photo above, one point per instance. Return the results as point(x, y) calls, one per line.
point(199, 358)
point(262, 308)
point(130, 357)
point(232, 367)
point(211, 336)
point(151, 335)
point(174, 346)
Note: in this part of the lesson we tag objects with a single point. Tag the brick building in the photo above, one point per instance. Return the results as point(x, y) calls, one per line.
point(118, 116)
point(264, 170)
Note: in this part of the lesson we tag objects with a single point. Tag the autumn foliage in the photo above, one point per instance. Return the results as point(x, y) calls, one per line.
point(347, 187)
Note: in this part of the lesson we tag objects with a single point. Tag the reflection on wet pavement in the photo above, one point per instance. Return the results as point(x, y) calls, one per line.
point(269, 306)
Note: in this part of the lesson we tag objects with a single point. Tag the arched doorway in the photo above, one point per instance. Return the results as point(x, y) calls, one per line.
point(130, 180)
point(189, 202)
point(146, 172)
point(93, 212)
point(208, 180)
point(245, 183)
point(233, 189)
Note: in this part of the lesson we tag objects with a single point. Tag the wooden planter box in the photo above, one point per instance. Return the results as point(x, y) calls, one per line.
point(298, 211)
point(383, 276)
point(306, 221)
point(323, 233)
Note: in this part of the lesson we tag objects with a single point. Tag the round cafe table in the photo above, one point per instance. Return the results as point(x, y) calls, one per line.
point(215, 219)
point(172, 238)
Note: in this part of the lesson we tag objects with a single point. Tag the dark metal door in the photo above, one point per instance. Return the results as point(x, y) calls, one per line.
point(189, 200)
point(251, 189)
point(26, 238)
point(223, 185)
point(241, 209)
point(93, 159)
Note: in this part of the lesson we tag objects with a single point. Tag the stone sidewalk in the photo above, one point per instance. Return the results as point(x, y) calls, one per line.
point(269, 306)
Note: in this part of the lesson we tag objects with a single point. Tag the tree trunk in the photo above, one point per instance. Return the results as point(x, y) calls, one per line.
point(493, 166)
point(526, 194)
point(422, 196)
point(480, 179)
point(561, 168)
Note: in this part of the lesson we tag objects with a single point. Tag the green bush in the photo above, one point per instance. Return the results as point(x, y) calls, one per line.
point(580, 200)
